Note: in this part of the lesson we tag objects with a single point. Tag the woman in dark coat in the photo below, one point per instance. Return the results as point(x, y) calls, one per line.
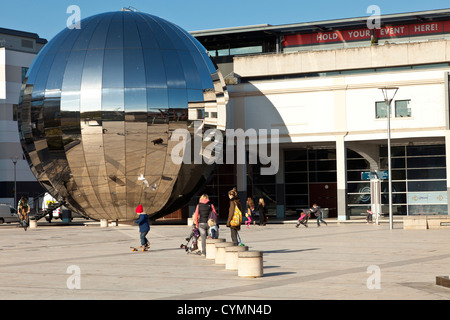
point(234, 201)
point(262, 212)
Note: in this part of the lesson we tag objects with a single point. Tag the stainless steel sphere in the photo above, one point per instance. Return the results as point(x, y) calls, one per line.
point(98, 107)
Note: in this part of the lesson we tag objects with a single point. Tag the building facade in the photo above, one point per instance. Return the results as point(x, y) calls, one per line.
point(319, 85)
point(17, 52)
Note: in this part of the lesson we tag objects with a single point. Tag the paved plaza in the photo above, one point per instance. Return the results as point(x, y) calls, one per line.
point(352, 261)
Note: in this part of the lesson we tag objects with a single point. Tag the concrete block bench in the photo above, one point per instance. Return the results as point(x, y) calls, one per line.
point(438, 222)
point(211, 248)
point(250, 264)
point(231, 256)
point(423, 222)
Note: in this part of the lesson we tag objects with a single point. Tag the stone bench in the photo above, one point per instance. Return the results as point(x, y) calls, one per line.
point(232, 255)
point(250, 264)
point(423, 222)
point(211, 248)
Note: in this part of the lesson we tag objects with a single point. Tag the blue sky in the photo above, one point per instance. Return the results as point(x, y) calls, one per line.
point(47, 18)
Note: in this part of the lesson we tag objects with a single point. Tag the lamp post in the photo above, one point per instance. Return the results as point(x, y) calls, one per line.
point(389, 94)
point(14, 160)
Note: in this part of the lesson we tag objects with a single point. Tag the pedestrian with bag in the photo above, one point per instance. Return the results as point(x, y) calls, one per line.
point(234, 216)
point(203, 212)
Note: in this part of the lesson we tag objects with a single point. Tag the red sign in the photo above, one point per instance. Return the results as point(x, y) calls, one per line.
point(365, 34)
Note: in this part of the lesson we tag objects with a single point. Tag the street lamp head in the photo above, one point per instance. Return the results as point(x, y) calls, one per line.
point(389, 93)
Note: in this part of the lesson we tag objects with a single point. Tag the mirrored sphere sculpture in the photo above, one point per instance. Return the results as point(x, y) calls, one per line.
point(99, 105)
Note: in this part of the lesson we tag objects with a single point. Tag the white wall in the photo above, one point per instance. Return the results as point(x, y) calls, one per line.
point(318, 109)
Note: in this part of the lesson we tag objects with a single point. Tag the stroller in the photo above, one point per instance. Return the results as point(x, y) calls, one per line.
point(304, 217)
point(191, 244)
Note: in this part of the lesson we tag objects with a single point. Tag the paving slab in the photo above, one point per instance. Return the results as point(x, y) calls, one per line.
point(334, 262)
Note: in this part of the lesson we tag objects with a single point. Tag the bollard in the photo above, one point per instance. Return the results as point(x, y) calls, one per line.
point(103, 223)
point(211, 248)
point(250, 264)
point(33, 223)
point(220, 251)
point(231, 256)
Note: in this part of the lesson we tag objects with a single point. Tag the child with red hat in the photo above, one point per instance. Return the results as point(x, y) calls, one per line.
point(144, 226)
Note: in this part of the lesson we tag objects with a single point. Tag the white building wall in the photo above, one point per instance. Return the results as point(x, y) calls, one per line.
point(318, 109)
point(337, 111)
point(11, 63)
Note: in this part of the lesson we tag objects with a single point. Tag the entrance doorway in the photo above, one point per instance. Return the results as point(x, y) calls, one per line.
point(325, 195)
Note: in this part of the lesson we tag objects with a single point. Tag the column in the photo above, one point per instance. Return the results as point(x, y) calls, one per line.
point(279, 180)
point(341, 172)
point(447, 164)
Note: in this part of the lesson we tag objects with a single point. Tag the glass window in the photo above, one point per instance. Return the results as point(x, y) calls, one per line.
point(301, 188)
point(322, 176)
point(297, 154)
point(426, 150)
point(415, 174)
point(427, 185)
point(402, 108)
point(296, 166)
point(427, 209)
point(246, 50)
point(424, 162)
point(24, 73)
point(380, 109)
point(297, 202)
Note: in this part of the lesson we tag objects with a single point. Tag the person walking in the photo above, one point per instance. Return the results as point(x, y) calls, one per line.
point(318, 213)
point(249, 213)
point(144, 226)
point(369, 216)
point(234, 202)
point(24, 209)
point(203, 212)
point(262, 209)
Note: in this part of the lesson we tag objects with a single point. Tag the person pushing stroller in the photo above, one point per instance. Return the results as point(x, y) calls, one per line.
point(192, 240)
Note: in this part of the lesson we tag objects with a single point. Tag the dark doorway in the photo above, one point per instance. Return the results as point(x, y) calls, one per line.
point(325, 195)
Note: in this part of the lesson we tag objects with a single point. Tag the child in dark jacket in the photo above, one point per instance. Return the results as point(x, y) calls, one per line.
point(144, 226)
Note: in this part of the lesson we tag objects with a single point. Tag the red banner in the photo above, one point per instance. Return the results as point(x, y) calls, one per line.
point(394, 31)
